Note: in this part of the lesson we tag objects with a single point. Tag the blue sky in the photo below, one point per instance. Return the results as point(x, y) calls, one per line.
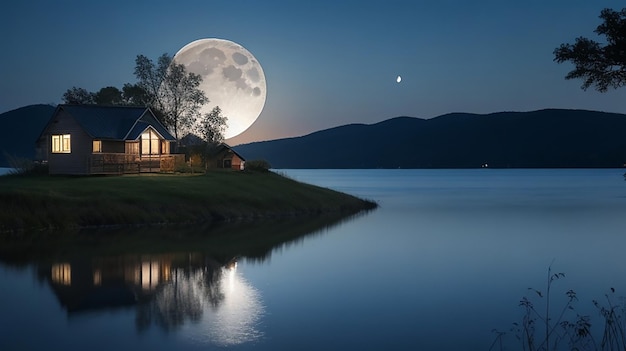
point(327, 63)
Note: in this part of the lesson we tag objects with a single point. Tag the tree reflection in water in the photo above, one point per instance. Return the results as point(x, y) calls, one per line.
point(215, 298)
point(234, 320)
point(183, 281)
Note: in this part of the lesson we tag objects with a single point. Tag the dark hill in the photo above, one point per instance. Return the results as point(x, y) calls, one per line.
point(20, 129)
point(538, 139)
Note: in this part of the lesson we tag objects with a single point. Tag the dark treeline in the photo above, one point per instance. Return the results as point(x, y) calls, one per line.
point(550, 138)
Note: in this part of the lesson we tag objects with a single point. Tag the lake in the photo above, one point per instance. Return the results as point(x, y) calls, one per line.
point(443, 261)
point(5, 170)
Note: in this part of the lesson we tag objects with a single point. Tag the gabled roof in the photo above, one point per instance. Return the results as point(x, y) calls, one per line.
point(114, 122)
point(141, 127)
point(224, 146)
point(137, 130)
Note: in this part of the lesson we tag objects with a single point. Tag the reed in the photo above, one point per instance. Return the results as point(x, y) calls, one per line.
point(546, 329)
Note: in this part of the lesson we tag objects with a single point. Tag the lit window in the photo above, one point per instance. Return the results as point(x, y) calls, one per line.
point(150, 275)
point(97, 146)
point(97, 277)
point(62, 274)
point(61, 144)
point(149, 143)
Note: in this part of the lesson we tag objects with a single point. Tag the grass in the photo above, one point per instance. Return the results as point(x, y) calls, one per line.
point(545, 329)
point(31, 203)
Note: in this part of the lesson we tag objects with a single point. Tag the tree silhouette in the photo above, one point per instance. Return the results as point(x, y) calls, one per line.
point(174, 93)
point(211, 128)
point(108, 96)
point(78, 96)
point(134, 95)
point(601, 65)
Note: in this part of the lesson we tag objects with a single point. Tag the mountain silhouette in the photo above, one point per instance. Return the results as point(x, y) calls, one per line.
point(19, 131)
point(550, 138)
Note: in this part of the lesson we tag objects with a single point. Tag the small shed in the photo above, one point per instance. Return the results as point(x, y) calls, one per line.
point(220, 156)
point(226, 157)
point(95, 139)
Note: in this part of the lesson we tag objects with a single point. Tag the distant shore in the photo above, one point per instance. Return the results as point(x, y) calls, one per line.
point(45, 203)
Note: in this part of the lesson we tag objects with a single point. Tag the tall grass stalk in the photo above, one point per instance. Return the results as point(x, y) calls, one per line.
point(566, 330)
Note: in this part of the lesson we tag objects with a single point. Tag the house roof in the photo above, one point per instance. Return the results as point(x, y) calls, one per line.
point(226, 147)
point(141, 127)
point(114, 122)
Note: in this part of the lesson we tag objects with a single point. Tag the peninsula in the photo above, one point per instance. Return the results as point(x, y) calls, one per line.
point(36, 203)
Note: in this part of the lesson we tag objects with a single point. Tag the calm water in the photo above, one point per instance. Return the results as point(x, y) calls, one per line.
point(443, 261)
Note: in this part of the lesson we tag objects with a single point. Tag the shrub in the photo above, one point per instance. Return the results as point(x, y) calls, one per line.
point(258, 165)
point(24, 166)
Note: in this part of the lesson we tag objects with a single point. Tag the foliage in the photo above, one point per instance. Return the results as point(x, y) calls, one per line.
point(258, 165)
point(213, 126)
point(614, 314)
point(211, 129)
point(134, 95)
point(174, 93)
point(541, 329)
point(130, 95)
point(603, 66)
point(25, 166)
point(108, 96)
point(535, 319)
point(78, 96)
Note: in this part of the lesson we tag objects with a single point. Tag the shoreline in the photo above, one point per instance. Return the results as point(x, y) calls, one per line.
point(55, 203)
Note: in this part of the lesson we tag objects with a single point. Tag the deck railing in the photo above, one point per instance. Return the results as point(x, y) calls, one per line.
point(112, 163)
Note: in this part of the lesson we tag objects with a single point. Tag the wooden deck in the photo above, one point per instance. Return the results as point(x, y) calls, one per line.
point(109, 163)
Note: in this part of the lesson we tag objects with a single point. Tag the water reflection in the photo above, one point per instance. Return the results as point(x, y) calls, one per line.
point(167, 291)
point(183, 280)
point(234, 317)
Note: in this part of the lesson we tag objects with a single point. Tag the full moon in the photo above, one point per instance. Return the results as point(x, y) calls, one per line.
point(232, 79)
point(399, 79)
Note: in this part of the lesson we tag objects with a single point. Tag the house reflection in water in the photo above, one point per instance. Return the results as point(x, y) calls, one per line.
point(115, 281)
point(105, 283)
point(166, 290)
point(61, 274)
point(147, 275)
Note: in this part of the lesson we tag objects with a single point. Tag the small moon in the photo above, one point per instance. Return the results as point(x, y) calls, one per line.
point(399, 79)
point(232, 79)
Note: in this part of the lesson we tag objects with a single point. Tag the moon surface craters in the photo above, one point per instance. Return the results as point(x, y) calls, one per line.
point(240, 58)
point(232, 79)
point(232, 73)
point(253, 74)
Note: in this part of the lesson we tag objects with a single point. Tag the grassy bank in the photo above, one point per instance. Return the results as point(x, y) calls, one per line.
point(51, 203)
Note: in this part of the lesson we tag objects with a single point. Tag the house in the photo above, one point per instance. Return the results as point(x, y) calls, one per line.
point(223, 156)
point(95, 139)
point(226, 157)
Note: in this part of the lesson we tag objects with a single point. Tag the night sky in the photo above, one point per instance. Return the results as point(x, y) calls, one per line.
point(327, 63)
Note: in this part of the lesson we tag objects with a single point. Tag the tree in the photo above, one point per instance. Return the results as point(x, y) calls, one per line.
point(77, 96)
point(134, 95)
point(212, 129)
point(173, 92)
point(213, 126)
point(603, 66)
point(108, 96)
